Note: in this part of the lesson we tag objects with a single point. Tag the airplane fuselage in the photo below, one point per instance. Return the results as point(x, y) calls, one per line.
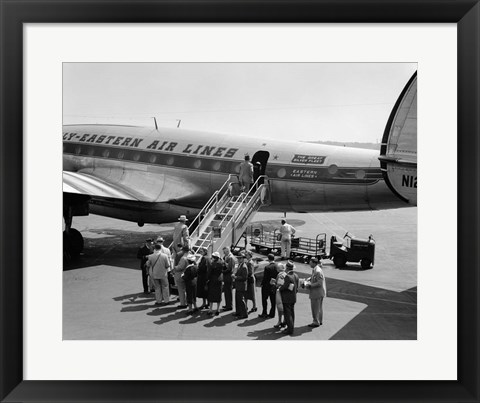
point(149, 162)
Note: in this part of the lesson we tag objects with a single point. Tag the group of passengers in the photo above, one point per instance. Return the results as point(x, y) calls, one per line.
point(211, 277)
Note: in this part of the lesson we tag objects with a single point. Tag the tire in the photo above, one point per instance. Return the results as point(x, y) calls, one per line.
point(73, 242)
point(257, 248)
point(339, 261)
point(366, 263)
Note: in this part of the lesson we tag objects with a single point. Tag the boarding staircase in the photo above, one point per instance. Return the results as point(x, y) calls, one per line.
point(224, 218)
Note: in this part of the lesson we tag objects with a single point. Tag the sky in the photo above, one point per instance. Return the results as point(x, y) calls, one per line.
point(347, 102)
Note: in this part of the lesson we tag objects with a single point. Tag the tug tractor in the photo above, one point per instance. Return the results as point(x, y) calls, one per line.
point(352, 249)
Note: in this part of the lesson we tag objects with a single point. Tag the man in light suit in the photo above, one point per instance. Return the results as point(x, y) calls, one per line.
point(158, 264)
point(317, 289)
point(287, 232)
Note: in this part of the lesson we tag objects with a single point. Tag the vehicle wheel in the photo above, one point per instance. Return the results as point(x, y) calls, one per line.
point(339, 261)
point(73, 242)
point(257, 248)
point(365, 263)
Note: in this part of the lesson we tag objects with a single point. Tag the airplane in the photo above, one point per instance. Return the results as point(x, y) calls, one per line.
point(154, 175)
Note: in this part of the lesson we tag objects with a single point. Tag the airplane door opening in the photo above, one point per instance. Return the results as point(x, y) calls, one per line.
point(259, 161)
point(260, 157)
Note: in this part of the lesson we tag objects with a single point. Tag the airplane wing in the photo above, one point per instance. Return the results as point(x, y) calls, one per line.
point(128, 185)
point(398, 153)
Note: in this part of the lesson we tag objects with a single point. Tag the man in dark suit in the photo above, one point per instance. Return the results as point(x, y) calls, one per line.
point(241, 287)
point(268, 289)
point(143, 252)
point(288, 291)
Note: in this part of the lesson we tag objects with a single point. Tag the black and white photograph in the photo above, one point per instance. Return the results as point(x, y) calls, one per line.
point(239, 201)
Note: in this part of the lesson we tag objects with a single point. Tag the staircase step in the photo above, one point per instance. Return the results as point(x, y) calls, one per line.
point(222, 216)
point(203, 243)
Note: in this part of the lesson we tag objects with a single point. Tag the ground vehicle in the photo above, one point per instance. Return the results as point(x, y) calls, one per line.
point(352, 249)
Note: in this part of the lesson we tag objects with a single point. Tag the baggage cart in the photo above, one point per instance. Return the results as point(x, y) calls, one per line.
point(263, 240)
point(307, 248)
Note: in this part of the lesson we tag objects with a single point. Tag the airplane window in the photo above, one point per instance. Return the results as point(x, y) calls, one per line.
point(360, 174)
point(281, 173)
point(197, 164)
point(106, 153)
point(136, 156)
point(216, 166)
point(170, 160)
point(65, 147)
point(153, 158)
point(78, 149)
point(91, 150)
point(121, 154)
point(237, 168)
point(332, 169)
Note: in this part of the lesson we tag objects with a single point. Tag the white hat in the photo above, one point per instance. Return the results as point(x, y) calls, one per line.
point(191, 257)
point(182, 218)
point(216, 254)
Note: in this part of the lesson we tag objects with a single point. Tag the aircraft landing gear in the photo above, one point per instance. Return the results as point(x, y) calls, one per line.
point(72, 243)
point(72, 239)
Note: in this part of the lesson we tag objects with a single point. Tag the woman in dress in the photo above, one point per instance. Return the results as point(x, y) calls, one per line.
point(214, 283)
point(203, 268)
point(278, 298)
point(250, 295)
point(190, 277)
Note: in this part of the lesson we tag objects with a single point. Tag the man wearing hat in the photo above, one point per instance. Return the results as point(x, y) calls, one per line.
point(317, 289)
point(241, 287)
point(181, 237)
point(288, 292)
point(143, 252)
point(158, 263)
point(270, 273)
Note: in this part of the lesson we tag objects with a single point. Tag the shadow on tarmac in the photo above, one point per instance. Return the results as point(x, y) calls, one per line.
point(198, 317)
point(119, 248)
point(252, 322)
point(388, 315)
point(175, 316)
point(221, 321)
point(136, 308)
point(162, 311)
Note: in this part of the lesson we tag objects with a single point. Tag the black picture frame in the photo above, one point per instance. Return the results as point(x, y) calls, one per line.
point(14, 13)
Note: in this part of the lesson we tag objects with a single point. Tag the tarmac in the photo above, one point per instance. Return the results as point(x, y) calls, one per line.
point(103, 298)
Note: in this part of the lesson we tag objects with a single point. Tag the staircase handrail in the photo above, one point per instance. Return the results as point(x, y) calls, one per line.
point(240, 200)
point(208, 205)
